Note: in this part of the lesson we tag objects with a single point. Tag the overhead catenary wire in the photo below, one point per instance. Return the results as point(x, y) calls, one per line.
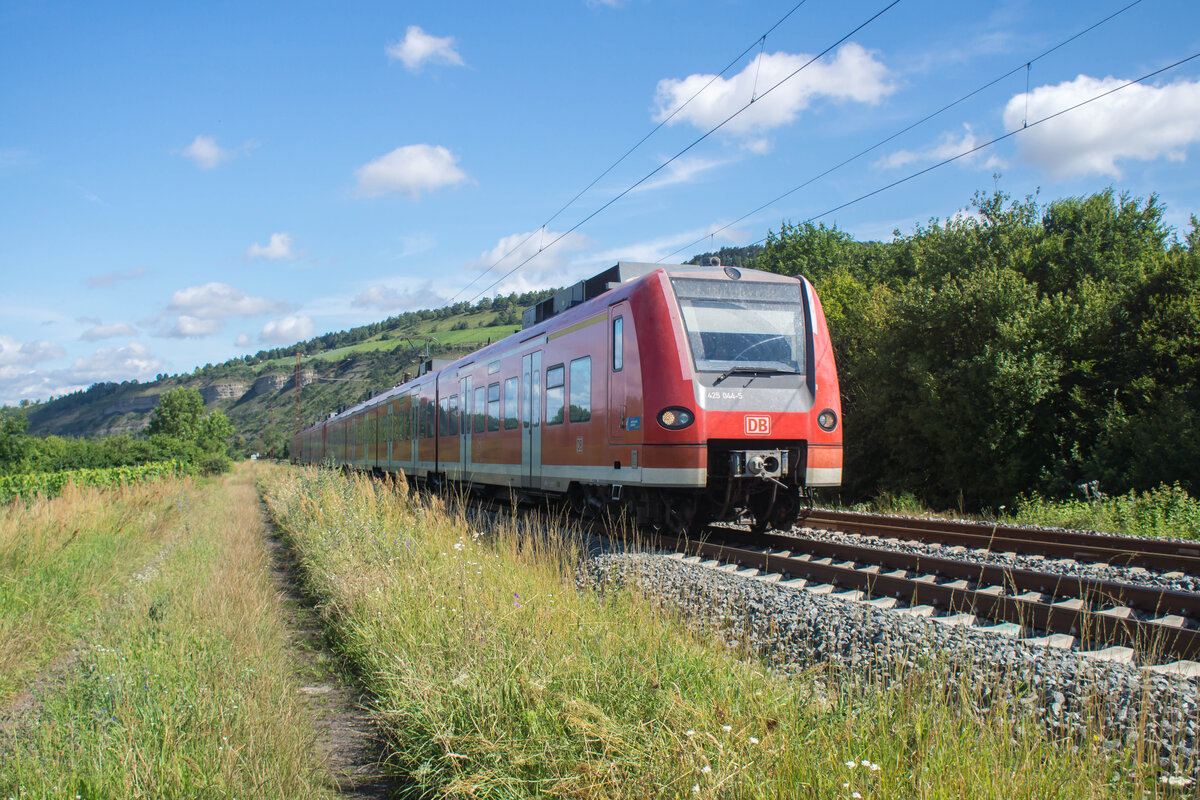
point(1025, 65)
point(991, 142)
point(695, 142)
point(760, 42)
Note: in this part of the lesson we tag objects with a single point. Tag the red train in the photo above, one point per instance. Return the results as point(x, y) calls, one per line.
point(679, 395)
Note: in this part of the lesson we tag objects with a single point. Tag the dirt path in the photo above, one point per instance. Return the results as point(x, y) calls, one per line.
point(345, 732)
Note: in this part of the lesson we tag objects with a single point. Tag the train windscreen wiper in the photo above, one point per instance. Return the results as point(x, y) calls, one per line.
point(754, 372)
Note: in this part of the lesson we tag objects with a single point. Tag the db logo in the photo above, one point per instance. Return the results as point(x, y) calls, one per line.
point(758, 425)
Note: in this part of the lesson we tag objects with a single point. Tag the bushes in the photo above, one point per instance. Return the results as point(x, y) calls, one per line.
point(1017, 348)
point(50, 484)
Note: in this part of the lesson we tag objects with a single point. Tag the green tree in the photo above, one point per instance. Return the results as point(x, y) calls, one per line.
point(177, 414)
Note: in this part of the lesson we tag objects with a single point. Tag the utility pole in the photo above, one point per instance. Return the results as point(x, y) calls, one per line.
point(298, 425)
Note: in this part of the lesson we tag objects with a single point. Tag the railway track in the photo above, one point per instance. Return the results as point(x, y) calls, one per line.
point(1163, 555)
point(1104, 619)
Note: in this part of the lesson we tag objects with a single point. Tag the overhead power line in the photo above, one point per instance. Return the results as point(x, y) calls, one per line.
point(756, 43)
point(1025, 65)
point(697, 141)
point(1000, 138)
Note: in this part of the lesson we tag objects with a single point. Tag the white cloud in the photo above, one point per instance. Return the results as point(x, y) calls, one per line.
point(948, 146)
point(19, 381)
point(279, 246)
point(219, 300)
point(243, 340)
point(852, 74)
point(682, 170)
point(1138, 122)
point(287, 330)
point(419, 48)
point(98, 331)
point(387, 298)
point(109, 278)
point(187, 326)
point(550, 267)
point(202, 310)
point(410, 170)
point(113, 363)
point(205, 153)
point(13, 353)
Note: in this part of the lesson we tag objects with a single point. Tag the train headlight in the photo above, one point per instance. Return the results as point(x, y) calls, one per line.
point(675, 418)
point(827, 419)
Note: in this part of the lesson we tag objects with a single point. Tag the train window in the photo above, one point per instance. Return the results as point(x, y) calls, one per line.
point(581, 389)
point(453, 429)
point(554, 395)
point(510, 404)
point(430, 418)
point(752, 324)
point(480, 417)
point(618, 344)
point(443, 416)
point(493, 407)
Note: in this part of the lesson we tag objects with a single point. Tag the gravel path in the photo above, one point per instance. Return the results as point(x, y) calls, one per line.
point(794, 627)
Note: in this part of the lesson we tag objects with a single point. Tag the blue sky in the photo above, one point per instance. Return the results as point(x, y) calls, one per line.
point(186, 183)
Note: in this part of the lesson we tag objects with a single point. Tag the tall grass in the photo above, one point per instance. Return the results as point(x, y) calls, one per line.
point(496, 677)
point(61, 559)
point(185, 688)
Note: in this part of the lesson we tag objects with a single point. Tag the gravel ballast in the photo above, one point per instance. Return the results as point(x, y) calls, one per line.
point(1073, 694)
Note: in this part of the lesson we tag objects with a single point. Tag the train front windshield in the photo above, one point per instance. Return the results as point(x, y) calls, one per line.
point(751, 325)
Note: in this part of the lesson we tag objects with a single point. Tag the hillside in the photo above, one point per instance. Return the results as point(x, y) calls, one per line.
point(258, 392)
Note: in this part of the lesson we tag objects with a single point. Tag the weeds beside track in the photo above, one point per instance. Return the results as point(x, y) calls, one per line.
point(494, 676)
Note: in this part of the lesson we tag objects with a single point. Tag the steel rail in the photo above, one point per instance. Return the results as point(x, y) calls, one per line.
point(1158, 554)
point(1155, 639)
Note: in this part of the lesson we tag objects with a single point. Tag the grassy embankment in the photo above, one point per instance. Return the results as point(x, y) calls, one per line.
point(495, 677)
point(183, 684)
point(1168, 511)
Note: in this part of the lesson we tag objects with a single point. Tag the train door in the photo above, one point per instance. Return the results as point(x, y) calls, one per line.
point(531, 419)
point(464, 427)
point(618, 375)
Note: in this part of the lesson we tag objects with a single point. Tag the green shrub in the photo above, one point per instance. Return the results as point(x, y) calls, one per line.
point(214, 465)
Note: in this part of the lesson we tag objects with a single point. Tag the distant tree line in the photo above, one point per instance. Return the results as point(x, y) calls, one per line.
point(1014, 348)
point(179, 430)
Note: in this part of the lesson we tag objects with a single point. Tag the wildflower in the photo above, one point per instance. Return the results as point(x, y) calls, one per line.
point(874, 768)
point(516, 599)
point(753, 740)
point(689, 733)
point(1177, 781)
point(706, 769)
point(866, 763)
point(850, 764)
point(695, 788)
point(856, 795)
point(846, 785)
point(727, 728)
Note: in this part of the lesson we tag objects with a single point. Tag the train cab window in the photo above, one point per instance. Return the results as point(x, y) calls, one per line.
point(618, 344)
point(581, 389)
point(510, 404)
point(453, 426)
point(493, 407)
point(480, 417)
point(554, 395)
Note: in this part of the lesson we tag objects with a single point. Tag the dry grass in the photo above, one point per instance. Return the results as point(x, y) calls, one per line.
point(62, 559)
point(495, 677)
point(186, 689)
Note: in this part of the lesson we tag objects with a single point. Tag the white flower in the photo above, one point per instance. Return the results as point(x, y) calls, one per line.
point(689, 733)
point(856, 795)
point(695, 788)
point(866, 763)
point(753, 740)
point(706, 769)
point(727, 728)
point(874, 768)
point(850, 764)
point(846, 785)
